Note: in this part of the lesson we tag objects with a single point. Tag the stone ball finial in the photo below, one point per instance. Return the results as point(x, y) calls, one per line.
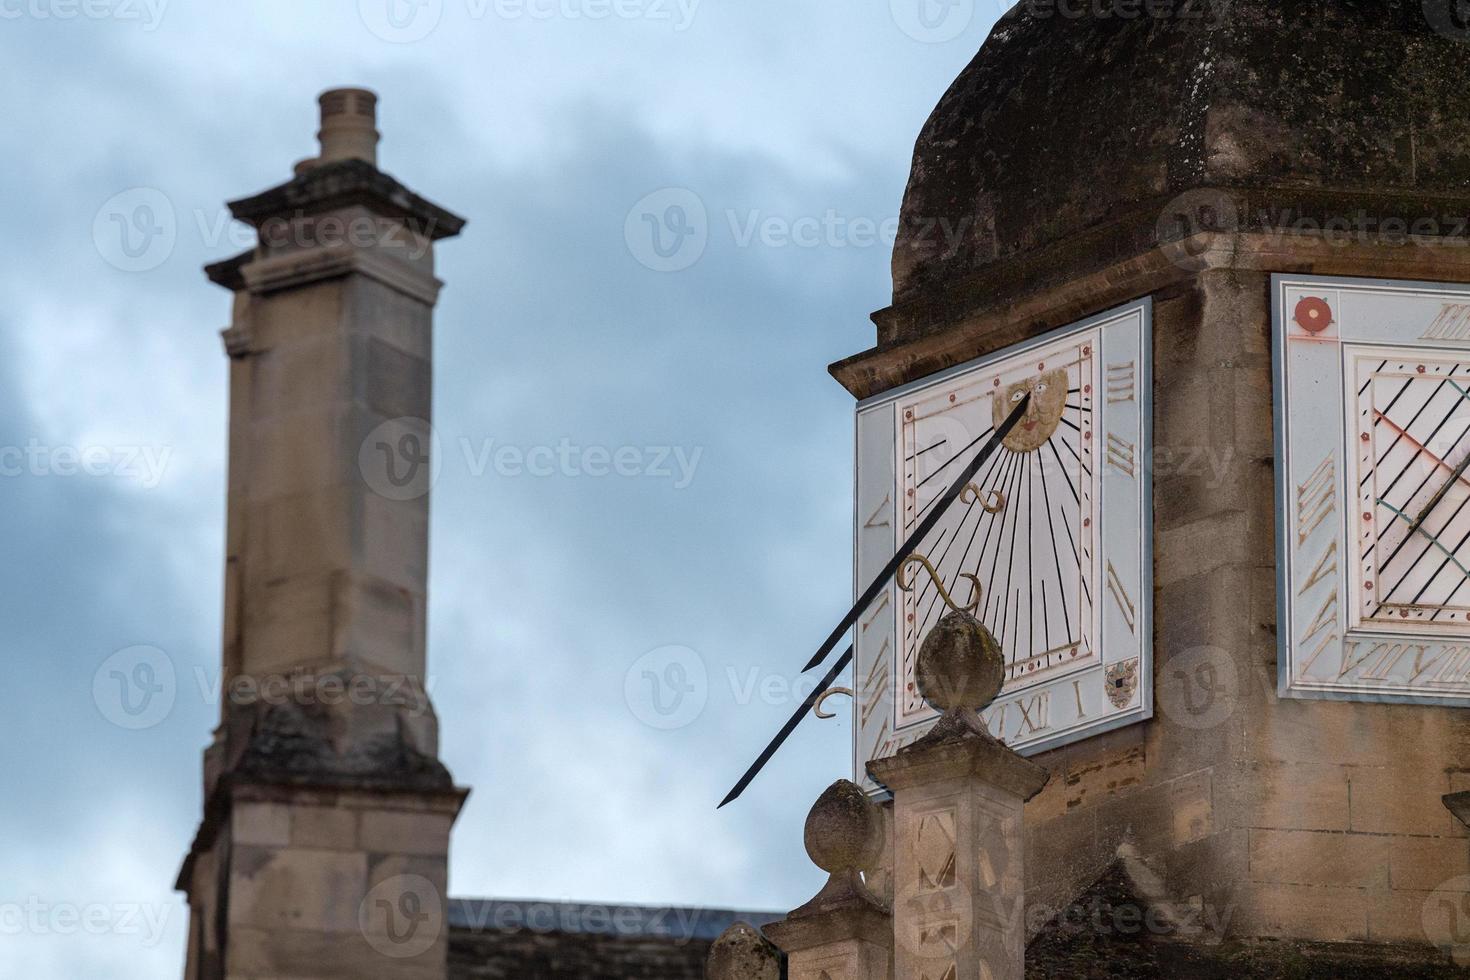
point(844, 831)
point(960, 664)
point(742, 953)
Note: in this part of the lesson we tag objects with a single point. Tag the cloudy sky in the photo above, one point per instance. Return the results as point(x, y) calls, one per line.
point(780, 132)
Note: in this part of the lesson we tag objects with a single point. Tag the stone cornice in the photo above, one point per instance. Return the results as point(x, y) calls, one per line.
point(1028, 295)
point(343, 183)
point(295, 269)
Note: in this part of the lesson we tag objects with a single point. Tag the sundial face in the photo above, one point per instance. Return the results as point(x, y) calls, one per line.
point(1049, 540)
point(1413, 415)
point(1373, 482)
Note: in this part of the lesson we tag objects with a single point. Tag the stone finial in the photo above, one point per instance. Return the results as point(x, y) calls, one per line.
point(742, 953)
point(843, 830)
point(960, 664)
point(349, 125)
point(844, 834)
point(845, 931)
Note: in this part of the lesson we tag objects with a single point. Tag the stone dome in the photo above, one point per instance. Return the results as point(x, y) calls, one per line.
point(1065, 123)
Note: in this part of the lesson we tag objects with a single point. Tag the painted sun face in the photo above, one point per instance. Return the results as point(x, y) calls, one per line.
point(1048, 398)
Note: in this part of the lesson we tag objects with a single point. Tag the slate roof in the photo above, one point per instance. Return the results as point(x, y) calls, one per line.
point(500, 939)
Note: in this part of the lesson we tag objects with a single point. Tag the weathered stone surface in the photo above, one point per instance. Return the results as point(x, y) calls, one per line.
point(1112, 931)
point(960, 665)
point(1064, 122)
point(327, 811)
point(843, 829)
point(742, 953)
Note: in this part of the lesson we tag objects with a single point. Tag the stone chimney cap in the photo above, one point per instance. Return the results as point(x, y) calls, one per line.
point(349, 125)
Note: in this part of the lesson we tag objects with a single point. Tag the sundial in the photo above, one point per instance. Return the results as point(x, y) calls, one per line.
point(1018, 414)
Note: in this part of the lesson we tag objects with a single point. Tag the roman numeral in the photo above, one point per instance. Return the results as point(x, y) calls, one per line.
point(1326, 617)
point(1453, 323)
point(1120, 595)
point(1122, 382)
point(875, 686)
point(1456, 669)
point(1033, 713)
point(882, 742)
point(1120, 454)
point(1387, 657)
point(872, 616)
point(1316, 499)
point(1326, 566)
point(882, 511)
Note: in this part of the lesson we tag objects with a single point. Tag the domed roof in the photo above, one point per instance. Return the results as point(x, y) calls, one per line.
point(1064, 123)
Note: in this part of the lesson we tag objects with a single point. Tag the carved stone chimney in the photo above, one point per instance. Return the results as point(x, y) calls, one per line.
point(323, 847)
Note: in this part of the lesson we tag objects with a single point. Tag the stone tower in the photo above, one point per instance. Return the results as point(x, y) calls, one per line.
point(1230, 165)
point(322, 848)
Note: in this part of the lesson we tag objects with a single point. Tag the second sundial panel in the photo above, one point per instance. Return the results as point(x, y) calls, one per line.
point(1048, 544)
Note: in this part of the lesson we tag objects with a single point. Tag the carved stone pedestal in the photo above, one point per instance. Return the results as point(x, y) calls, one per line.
point(844, 932)
point(959, 887)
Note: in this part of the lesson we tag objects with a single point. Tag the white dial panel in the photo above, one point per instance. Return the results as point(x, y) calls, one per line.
point(1050, 540)
point(1373, 481)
